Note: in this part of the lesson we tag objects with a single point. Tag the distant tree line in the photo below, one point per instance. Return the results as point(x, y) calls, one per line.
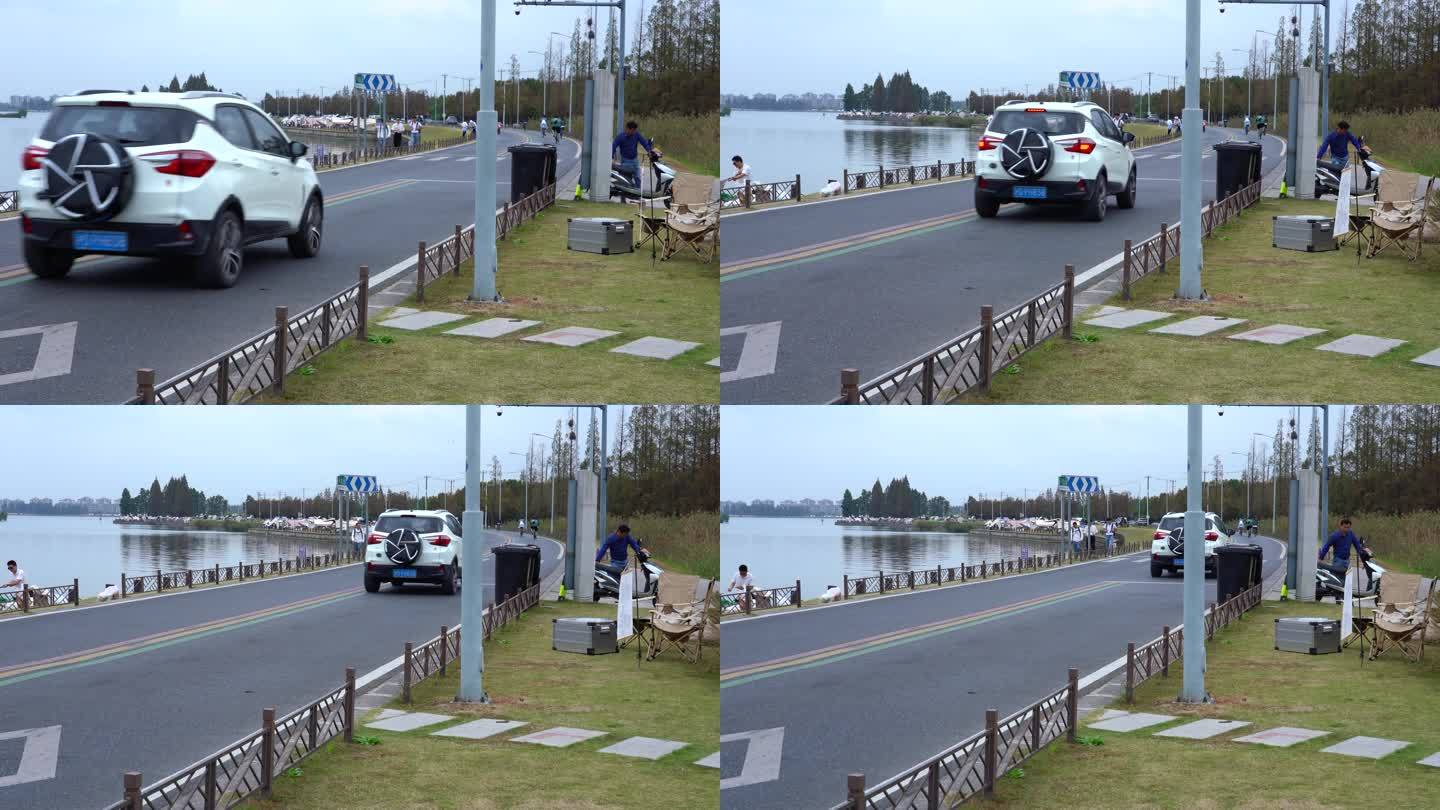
point(176, 499)
point(900, 95)
point(767, 508)
point(786, 103)
point(37, 506)
point(898, 499)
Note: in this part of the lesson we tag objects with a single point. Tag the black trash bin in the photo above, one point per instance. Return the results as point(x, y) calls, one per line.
point(517, 567)
point(1237, 569)
point(532, 167)
point(1237, 165)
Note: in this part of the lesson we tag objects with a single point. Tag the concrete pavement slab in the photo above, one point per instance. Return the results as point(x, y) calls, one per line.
point(643, 747)
point(400, 312)
point(408, 721)
point(1127, 318)
point(1106, 310)
point(421, 320)
point(386, 714)
point(713, 761)
point(1429, 359)
point(1111, 714)
point(1202, 729)
point(1433, 761)
point(657, 348)
point(1277, 334)
point(571, 336)
point(715, 363)
point(1366, 747)
point(479, 729)
point(492, 327)
point(559, 737)
point(1132, 722)
point(1194, 327)
point(1361, 345)
point(1281, 737)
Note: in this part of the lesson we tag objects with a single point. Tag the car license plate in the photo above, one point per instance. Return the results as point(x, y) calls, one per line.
point(403, 573)
point(1179, 562)
point(1029, 192)
point(114, 241)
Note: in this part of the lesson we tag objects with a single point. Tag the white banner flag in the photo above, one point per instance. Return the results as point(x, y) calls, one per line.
point(1347, 611)
point(625, 607)
point(1342, 206)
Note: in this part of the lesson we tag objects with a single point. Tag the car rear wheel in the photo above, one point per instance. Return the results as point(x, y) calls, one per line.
point(1157, 570)
point(372, 585)
point(219, 266)
point(305, 243)
point(448, 586)
point(48, 262)
point(1126, 198)
point(986, 206)
point(1094, 208)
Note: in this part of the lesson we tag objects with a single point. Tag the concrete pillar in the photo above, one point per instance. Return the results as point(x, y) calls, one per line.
point(1308, 138)
point(588, 501)
point(1308, 535)
point(600, 131)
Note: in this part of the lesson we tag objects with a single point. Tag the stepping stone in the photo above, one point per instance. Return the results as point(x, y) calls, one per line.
point(716, 363)
point(1433, 761)
point(1361, 345)
point(1106, 310)
point(1429, 359)
point(400, 312)
point(386, 714)
point(655, 347)
point(644, 747)
point(1278, 334)
point(421, 320)
point(1194, 327)
point(1281, 737)
point(559, 737)
point(571, 336)
point(713, 761)
point(409, 721)
point(1202, 729)
point(479, 729)
point(1132, 722)
point(1111, 714)
point(1367, 747)
point(493, 327)
point(1127, 318)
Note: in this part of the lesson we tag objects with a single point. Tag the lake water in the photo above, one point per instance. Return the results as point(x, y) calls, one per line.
point(817, 146)
point(817, 552)
point(54, 550)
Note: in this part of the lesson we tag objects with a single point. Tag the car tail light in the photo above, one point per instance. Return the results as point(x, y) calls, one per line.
point(1082, 146)
point(980, 183)
point(1034, 109)
point(25, 225)
point(185, 232)
point(442, 540)
point(182, 162)
point(987, 143)
point(1212, 536)
point(30, 158)
point(369, 566)
point(1080, 185)
point(1161, 535)
point(374, 539)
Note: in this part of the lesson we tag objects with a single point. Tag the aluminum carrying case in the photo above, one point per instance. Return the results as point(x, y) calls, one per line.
point(600, 235)
point(1307, 634)
point(1310, 233)
point(587, 636)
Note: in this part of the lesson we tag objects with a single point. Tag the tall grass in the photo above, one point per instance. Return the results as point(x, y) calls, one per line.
point(1408, 141)
point(693, 139)
point(689, 544)
point(1409, 542)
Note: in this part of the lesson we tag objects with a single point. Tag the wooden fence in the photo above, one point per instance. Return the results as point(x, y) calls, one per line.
point(752, 599)
point(971, 767)
point(23, 600)
point(349, 156)
point(752, 194)
point(261, 363)
point(969, 362)
point(434, 656)
point(161, 581)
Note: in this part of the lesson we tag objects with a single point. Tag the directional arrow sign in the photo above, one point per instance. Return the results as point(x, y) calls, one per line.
point(357, 483)
point(1080, 80)
point(52, 358)
point(762, 757)
point(38, 757)
point(1080, 483)
point(375, 82)
point(757, 356)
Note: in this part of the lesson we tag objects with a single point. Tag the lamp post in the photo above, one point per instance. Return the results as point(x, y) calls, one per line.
point(1249, 77)
point(472, 558)
point(1191, 253)
point(544, 86)
point(483, 285)
point(1275, 490)
point(570, 73)
point(553, 475)
point(1274, 84)
point(525, 455)
point(1193, 689)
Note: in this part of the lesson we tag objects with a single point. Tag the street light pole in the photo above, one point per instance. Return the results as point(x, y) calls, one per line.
point(483, 285)
point(1193, 688)
point(472, 559)
point(1191, 253)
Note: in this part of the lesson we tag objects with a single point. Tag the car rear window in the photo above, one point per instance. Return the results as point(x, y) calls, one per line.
point(1050, 123)
point(131, 126)
point(415, 523)
point(1170, 524)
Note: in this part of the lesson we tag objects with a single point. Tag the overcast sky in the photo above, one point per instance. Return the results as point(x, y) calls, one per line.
point(962, 45)
point(254, 46)
point(73, 451)
point(787, 452)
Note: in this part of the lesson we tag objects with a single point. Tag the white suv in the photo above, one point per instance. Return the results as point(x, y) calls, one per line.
point(1167, 549)
point(413, 545)
point(1045, 152)
point(198, 174)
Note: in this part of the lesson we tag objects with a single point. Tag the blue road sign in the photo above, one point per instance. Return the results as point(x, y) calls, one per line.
point(1080, 80)
point(375, 82)
point(357, 483)
point(1080, 483)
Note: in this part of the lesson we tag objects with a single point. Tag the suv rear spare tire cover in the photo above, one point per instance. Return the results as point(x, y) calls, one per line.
point(88, 178)
point(1177, 543)
point(402, 546)
point(1025, 154)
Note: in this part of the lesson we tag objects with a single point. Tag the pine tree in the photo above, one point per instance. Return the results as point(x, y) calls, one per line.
point(127, 504)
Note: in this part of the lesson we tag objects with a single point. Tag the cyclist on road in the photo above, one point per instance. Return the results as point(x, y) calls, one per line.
point(1260, 125)
point(1247, 125)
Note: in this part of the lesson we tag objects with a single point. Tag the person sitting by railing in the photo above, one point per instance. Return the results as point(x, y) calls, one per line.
point(17, 576)
point(742, 581)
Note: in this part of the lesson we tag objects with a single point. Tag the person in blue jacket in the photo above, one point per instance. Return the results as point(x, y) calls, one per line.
point(618, 546)
point(628, 144)
point(1338, 143)
point(1341, 541)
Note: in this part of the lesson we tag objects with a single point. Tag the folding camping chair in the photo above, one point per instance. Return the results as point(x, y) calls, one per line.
point(1400, 623)
point(694, 218)
point(1398, 214)
point(678, 619)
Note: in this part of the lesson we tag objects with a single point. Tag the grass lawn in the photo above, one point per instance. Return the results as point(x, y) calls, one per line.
point(1246, 278)
point(666, 698)
point(542, 281)
point(1250, 681)
point(1144, 130)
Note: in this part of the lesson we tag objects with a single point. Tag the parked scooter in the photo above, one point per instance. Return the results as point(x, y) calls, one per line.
point(1327, 178)
point(658, 185)
point(1330, 580)
point(608, 584)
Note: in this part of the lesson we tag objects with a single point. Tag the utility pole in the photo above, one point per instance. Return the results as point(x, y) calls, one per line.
point(1193, 688)
point(483, 285)
point(1191, 252)
point(1148, 78)
point(472, 558)
point(443, 91)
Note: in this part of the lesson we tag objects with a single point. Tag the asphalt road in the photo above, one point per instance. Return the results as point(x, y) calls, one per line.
point(157, 707)
point(135, 313)
point(871, 299)
point(877, 703)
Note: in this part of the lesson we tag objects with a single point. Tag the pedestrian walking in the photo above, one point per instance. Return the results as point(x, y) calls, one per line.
point(1075, 536)
point(1093, 534)
point(414, 132)
point(1110, 536)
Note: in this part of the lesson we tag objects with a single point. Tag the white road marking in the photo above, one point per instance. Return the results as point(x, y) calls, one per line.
point(1170, 157)
point(38, 758)
point(758, 354)
point(52, 359)
point(442, 157)
point(412, 157)
point(762, 757)
point(462, 160)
